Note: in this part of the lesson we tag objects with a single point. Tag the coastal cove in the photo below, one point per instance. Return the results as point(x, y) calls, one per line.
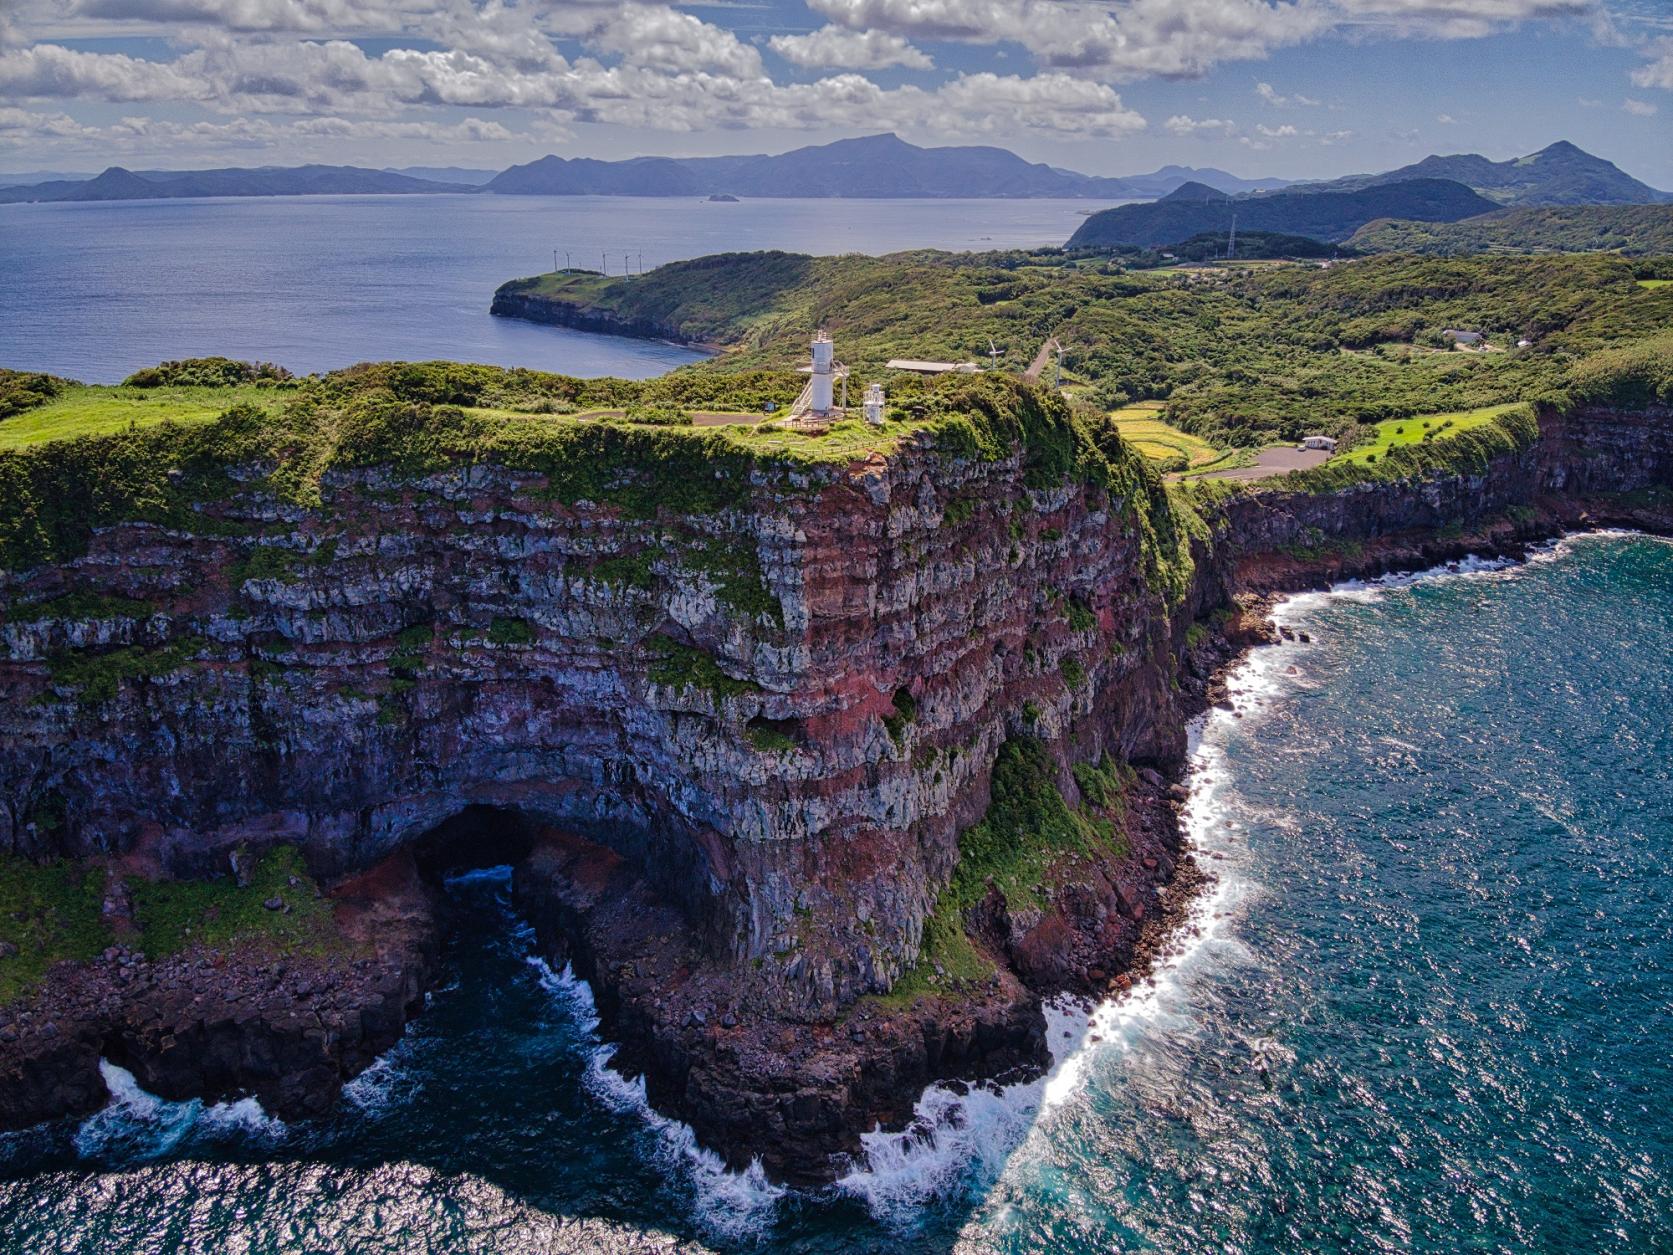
point(1411, 860)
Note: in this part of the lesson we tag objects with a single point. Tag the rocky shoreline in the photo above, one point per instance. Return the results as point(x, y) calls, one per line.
point(794, 1092)
point(221, 1023)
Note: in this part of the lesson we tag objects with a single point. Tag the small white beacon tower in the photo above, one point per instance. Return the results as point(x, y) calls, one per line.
point(823, 398)
point(874, 404)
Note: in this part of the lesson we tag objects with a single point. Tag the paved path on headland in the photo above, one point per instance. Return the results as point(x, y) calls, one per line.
point(1278, 460)
point(1041, 358)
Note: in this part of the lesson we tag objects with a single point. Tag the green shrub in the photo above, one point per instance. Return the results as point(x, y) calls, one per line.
point(676, 666)
point(206, 372)
point(906, 710)
point(98, 677)
point(503, 631)
point(26, 390)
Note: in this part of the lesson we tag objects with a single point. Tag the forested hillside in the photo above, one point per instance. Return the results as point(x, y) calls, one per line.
point(1243, 355)
point(1636, 230)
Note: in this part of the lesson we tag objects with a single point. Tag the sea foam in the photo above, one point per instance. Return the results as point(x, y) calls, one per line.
point(725, 1203)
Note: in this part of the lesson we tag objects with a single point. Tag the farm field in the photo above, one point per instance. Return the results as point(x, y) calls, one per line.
point(1402, 431)
point(1171, 449)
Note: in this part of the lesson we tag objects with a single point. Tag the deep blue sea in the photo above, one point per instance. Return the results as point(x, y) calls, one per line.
point(95, 291)
point(1428, 1008)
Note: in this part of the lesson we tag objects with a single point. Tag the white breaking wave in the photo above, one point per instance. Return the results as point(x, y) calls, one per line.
point(962, 1140)
point(138, 1125)
point(726, 1203)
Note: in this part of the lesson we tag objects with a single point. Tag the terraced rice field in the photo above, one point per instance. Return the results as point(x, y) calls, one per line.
point(1169, 448)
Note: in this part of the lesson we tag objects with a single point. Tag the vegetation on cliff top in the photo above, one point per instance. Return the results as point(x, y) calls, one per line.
point(411, 417)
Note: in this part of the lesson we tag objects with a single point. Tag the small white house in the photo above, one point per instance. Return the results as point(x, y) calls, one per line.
point(1469, 339)
point(1327, 443)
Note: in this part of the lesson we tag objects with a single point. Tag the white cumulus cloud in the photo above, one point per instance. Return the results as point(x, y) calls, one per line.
point(1184, 124)
point(839, 48)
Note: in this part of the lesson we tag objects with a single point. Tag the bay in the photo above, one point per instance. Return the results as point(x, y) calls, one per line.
point(95, 291)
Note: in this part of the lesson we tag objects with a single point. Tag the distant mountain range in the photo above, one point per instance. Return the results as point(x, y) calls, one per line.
point(883, 166)
point(874, 166)
point(445, 174)
point(1195, 209)
point(119, 184)
point(23, 178)
point(1560, 174)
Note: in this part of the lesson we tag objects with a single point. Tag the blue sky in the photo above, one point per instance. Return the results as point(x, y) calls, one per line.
point(1293, 88)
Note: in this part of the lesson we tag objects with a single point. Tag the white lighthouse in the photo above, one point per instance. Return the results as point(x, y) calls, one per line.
point(823, 398)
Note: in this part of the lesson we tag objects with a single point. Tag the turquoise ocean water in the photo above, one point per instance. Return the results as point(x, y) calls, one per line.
point(1428, 1008)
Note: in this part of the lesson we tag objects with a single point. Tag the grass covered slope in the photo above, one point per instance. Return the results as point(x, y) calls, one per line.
point(83, 410)
point(52, 913)
point(1396, 433)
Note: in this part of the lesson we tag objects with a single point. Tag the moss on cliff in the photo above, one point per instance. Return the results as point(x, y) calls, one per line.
point(47, 915)
point(1029, 827)
point(98, 677)
point(174, 914)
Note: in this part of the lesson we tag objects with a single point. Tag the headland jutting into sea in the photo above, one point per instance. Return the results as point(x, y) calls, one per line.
point(823, 753)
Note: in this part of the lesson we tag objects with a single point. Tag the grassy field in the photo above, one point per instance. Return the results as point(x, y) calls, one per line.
point(52, 914)
point(1172, 450)
point(92, 410)
point(1653, 284)
point(1400, 431)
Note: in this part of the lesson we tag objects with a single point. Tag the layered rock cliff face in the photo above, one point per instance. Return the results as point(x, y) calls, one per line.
point(730, 751)
point(756, 734)
point(510, 303)
point(1587, 466)
point(785, 714)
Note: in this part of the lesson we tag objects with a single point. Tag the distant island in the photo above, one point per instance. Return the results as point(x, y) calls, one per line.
point(873, 166)
point(1321, 215)
point(119, 184)
point(881, 166)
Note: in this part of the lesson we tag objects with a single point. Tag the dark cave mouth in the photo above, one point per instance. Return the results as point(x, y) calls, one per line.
point(475, 839)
